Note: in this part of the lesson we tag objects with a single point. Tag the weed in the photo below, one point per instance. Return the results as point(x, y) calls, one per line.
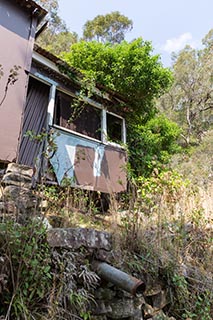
point(28, 258)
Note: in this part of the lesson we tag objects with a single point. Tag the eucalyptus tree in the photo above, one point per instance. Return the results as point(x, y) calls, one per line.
point(190, 99)
point(111, 27)
point(56, 38)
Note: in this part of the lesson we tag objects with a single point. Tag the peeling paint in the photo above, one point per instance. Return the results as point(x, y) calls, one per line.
point(64, 158)
point(99, 154)
point(87, 163)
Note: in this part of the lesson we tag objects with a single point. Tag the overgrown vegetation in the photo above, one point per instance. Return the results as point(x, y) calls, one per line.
point(161, 226)
point(151, 145)
point(162, 233)
point(167, 237)
point(39, 283)
point(26, 269)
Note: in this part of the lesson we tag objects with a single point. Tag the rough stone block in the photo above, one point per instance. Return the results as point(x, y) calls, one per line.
point(101, 308)
point(159, 301)
point(147, 311)
point(75, 238)
point(21, 197)
point(105, 294)
point(1, 192)
point(20, 169)
point(122, 309)
point(104, 255)
point(7, 207)
point(16, 179)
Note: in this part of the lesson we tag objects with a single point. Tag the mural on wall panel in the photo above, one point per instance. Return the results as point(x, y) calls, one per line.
point(88, 164)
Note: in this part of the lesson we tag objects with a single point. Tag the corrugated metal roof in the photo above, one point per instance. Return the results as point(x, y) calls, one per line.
point(33, 7)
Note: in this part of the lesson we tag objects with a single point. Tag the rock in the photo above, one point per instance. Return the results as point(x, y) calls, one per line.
point(137, 315)
point(2, 172)
point(124, 294)
point(139, 301)
point(2, 207)
point(104, 255)
point(105, 294)
point(3, 282)
point(16, 179)
point(44, 221)
point(75, 238)
point(7, 207)
point(1, 192)
point(21, 198)
point(20, 169)
point(147, 311)
point(4, 267)
point(159, 301)
point(101, 308)
point(122, 309)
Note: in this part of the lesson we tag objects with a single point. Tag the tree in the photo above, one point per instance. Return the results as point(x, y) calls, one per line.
point(56, 38)
point(191, 96)
point(109, 28)
point(128, 68)
point(56, 24)
point(132, 70)
point(59, 43)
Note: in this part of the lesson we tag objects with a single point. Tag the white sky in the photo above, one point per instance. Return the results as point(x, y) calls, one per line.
point(168, 24)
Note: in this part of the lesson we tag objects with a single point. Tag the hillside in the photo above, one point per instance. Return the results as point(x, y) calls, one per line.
point(161, 233)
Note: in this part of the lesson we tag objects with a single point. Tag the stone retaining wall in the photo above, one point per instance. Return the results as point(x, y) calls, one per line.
point(110, 301)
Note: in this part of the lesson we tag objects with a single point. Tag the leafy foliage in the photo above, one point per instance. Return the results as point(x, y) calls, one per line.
point(109, 28)
point(151, 145)
point(29, 261)
point(57, 37)
point(190, 100)
point(128, 68)
point(56, 24)
point(172, 243)
point(57, 43)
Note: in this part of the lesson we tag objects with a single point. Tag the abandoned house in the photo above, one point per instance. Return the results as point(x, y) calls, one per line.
point(43, 123)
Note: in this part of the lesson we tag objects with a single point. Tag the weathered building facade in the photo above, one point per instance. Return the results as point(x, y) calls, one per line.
point(18, 22)
point(81, 139)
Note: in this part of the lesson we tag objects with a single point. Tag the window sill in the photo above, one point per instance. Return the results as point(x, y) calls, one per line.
point(107, 143)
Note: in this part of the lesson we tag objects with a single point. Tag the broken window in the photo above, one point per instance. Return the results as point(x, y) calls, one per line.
point(79, 117)
point(87, 119)
point(114, 128)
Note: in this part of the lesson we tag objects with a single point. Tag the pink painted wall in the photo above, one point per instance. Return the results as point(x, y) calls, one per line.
point(17, 31)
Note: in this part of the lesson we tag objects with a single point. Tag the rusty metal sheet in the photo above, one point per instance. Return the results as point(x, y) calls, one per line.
point(88, 164)
point(113, 168)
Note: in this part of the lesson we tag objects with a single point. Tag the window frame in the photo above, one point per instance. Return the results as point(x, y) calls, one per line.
point(54, 87)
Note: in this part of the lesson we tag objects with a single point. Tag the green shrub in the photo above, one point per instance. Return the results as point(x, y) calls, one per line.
point(28, 258)
point(151, 145)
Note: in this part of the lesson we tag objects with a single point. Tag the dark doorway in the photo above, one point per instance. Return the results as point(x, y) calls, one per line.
point(35, 117)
